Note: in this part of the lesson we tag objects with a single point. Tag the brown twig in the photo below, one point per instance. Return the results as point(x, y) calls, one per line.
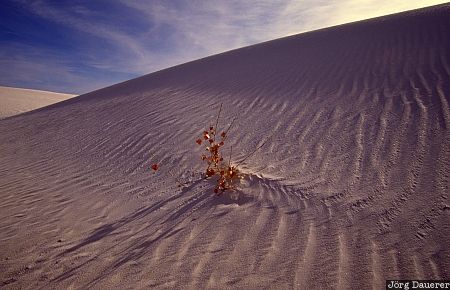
point(229, 127)
point(229, 160)
point(180, 184)
point(254, 151)
point(217, 122)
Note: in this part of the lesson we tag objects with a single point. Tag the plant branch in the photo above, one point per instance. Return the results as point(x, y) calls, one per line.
point(254, 151)
point(229, 127)
point(217, 122)
point(175, 178)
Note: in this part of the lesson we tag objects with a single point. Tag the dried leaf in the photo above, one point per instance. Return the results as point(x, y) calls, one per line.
point(199, 141)
point(210, 172)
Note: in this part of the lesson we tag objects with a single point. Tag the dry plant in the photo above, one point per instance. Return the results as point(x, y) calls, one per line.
point(228, 175)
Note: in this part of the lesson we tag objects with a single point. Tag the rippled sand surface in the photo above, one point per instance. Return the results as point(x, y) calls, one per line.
point(350, 187)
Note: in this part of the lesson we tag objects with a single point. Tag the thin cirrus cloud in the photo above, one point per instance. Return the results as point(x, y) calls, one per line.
point(76, 47)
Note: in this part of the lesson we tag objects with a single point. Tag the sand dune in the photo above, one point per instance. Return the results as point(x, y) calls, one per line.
point(351, 187)
point(14, 101)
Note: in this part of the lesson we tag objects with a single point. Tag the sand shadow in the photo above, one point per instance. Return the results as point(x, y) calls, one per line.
point(192, 198)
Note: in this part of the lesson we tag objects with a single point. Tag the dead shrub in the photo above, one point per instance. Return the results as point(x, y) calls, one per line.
point(228, 175)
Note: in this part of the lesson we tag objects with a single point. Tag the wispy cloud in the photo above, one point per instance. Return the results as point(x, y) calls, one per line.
point(26, 67)
point(81, 19)
point(121, 39)
point(214, 26)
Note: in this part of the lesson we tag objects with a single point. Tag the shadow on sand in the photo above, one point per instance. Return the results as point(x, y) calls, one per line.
point(157, 221)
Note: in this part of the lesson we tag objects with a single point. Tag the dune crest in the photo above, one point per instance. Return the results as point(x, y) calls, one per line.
point(15, 101)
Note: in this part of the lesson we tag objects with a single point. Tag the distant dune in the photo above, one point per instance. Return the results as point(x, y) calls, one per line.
point(350, 188)
point(14, 101)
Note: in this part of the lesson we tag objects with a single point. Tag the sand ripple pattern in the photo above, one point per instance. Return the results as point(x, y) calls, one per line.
point(351, 187)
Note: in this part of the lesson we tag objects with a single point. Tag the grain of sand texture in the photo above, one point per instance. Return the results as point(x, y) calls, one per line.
point(350, 187)
point(15, 101)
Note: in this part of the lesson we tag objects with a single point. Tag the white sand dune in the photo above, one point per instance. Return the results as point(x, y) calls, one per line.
point(14, 101)
point(351, 187)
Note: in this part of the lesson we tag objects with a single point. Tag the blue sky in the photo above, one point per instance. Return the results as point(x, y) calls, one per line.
point(78, 46)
